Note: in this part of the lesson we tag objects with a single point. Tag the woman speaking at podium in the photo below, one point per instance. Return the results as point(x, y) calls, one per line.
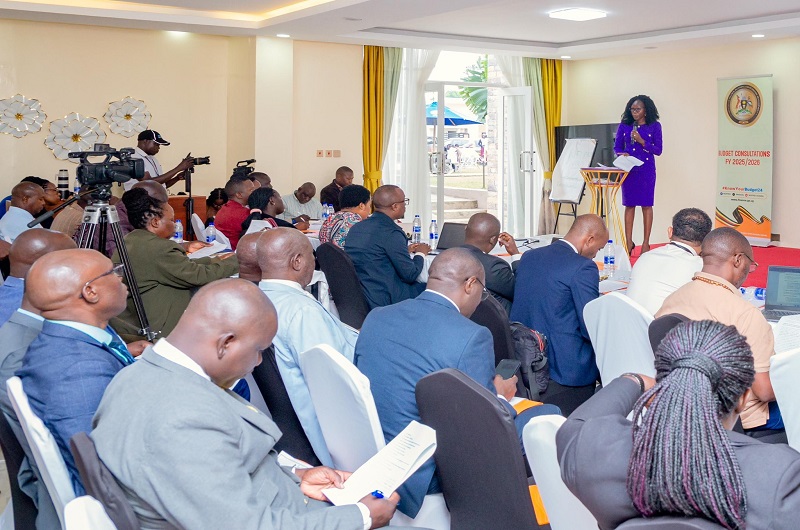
point(639, 135)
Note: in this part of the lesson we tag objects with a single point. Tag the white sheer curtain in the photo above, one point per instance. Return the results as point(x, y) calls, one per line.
point(514, 121)
point(406, 162)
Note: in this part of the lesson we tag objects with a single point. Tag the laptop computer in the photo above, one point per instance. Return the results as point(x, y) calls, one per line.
point(452, 236)
point(783, 292)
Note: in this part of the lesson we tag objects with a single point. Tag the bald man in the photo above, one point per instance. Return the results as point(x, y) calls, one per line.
point(192, 454)
point(302, 202)
point(713, 294)
point(247, 254)
point(381, 254)
point(69, 365)
point(402, 343)
point(481, 236)
point(554, 283)
point(26, 249)
point(287, 264)
point(27, 200)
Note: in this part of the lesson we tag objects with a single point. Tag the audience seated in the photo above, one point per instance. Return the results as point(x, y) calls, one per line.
point(554, 283)
point(190, 454)
point(658, 273)
point(247, 254)
point(355, 205)
point(330, 193)
point(26, 249)
point(680, 456)
point(27, 200)
point(400, 344)
point(164, 273)
point(215, 200)
point(380, 251)
point(481, 236)
point(69, 364)
point(714, 294)
point(287, 264)
point(51, 198)
point(267, 204)
point(230, 217)
point(302, 202)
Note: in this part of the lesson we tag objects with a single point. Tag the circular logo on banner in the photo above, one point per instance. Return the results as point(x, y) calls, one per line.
point(743, 104)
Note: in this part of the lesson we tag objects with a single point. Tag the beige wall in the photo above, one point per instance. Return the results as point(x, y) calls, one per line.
point(683, 86)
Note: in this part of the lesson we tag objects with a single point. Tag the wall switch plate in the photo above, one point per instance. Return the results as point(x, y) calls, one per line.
point(319, 153)
point(337, 153)
point(328, 153)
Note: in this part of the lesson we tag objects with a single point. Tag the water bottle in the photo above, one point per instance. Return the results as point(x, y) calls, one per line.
point(77, 187)
point(433, 237)
point(416, 231)
point(609, 259)
point(211, 233)
point(326, 212)
point(753, 293)
point(331, 210)
point(178, 232)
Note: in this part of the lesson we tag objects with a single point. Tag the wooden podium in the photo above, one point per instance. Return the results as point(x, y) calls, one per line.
point(604, 183)
point(178, 203)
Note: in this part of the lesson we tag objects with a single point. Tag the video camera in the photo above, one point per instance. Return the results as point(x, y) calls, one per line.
point(105, 173)
point(243, 169)
point(201, 161)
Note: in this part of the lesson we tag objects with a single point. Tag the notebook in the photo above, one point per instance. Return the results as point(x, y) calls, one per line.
point(452, 236)
point(783, 292)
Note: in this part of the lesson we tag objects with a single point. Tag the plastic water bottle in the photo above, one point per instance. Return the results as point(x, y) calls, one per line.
point(416, 231)
point(178, 232)
point(609, 259)
point(331, 210)
point(753, 293)
point(325, 211)
point(433, 235)
point(76, 189)
point(211, 233)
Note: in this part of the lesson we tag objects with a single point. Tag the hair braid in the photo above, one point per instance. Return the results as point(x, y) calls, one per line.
point(682, 460)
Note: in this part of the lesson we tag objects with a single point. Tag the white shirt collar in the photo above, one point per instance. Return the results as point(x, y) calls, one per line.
point(570, 244)
point(100, 335)
point(32, 315)
point(289, 283)
point(443, 296)
point(684, 245)
point(171, 353)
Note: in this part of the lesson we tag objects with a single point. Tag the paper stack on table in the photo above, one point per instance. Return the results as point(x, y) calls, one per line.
point(215, 247)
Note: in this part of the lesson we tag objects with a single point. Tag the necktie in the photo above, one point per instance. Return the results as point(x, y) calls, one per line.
point(121, 352)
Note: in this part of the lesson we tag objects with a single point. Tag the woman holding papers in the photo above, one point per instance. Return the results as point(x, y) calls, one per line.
point(639, 135)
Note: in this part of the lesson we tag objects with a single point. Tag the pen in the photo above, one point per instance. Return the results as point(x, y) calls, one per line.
point(378, 494)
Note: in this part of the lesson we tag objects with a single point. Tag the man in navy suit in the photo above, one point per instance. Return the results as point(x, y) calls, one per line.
point(554, 283)
point(69, 365)
point(400, 344)
point(381, 254)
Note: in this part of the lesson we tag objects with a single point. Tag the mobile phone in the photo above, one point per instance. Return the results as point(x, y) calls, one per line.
point(507, 368)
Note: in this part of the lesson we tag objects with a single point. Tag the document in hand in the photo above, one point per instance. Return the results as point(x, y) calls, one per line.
point(626, 163)
point(258, 226)
point(787, 333)
point(387, 470)
point(215, 247)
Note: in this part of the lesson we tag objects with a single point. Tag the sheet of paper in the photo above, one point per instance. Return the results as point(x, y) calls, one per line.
point(209, 251)
point(387, 470)
point(626, 163)
point(787, 334)
point(258, 226)
point(287, 460)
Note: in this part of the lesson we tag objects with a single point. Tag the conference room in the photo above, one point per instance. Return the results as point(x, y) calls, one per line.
point(544, 214)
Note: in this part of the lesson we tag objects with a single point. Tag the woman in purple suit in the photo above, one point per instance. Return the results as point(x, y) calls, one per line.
point(639, 135)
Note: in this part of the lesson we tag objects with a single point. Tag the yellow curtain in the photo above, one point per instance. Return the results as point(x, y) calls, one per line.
point(372, 136)
point(551, 89)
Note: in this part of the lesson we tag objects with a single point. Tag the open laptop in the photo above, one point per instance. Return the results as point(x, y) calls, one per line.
point(783, 292)
point(452, 236)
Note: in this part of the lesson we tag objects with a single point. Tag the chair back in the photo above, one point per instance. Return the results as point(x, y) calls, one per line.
point(43, 447)
point(101, 484)
point(669, 523)
point(478, 457)
point(270, 383)
point(23, 507)
point(617, 327)
point(659, 328)
point(564, 510)
point(783, 372)
point(491, 315)
point(199, 227)
point(344, 405)
point(345, 287)
point(87, 513)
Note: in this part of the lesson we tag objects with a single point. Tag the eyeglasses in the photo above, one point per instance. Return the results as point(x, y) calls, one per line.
point(405, 201)
point(485, 290)
point(117, 270)
point(753, 264)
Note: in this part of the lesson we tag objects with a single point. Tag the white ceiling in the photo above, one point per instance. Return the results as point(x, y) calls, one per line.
point(510, 26)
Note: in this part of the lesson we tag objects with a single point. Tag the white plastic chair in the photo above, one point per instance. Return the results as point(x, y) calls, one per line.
point(86, 513)
point(349, 421)
point(783, 372)
point(564, 510)
point(618, 329)
point(198, 227)
point(44, 448)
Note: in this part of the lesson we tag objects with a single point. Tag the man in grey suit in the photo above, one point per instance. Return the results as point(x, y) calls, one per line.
point(189, 453)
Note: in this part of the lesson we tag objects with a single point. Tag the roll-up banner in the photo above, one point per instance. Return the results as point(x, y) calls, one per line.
point(744, 157)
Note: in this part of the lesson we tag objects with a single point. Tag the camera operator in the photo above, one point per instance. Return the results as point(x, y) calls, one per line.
point(150, 143)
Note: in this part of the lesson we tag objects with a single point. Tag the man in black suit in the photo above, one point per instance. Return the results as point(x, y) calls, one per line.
point(482, 234)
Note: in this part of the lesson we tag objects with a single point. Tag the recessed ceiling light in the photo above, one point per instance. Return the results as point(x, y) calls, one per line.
point(566, 57)
point(577, 14)
point(178, 34)
point(283, 35)
point(758, 36)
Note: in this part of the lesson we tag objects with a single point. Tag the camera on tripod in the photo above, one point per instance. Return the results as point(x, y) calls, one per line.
point(201, 161)
point(108, 171)
point(243, 169)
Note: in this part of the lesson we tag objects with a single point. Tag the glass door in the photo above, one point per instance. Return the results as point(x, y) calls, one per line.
point(435, 127)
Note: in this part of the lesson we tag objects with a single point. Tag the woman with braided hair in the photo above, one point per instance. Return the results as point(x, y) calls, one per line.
point(679, 455)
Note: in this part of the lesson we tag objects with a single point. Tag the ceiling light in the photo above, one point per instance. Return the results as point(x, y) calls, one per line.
point(283, 36)
point(178, 34)
point(651, 47)
point(566, 57)
point(577, 14)
point(353, 19)
point(758, 36)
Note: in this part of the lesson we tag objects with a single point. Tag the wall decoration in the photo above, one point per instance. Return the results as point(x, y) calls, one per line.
point(20, 116)
point(74, 132)
point(127, 117)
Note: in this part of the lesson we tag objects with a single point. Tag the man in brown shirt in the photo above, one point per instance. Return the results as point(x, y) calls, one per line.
point(714, 294)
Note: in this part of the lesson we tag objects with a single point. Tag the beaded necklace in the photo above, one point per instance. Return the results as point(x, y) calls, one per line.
point(713, 282)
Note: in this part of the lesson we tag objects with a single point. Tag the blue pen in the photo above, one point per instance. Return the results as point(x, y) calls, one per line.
point(378, 494)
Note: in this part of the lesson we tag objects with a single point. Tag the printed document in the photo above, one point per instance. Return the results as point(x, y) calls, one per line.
point(626, 163)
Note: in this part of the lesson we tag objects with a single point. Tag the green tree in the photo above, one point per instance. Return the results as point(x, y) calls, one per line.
point(475, 97)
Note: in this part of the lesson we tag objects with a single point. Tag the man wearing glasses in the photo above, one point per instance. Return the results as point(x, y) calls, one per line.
point(381, 253)
point(713, 294)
